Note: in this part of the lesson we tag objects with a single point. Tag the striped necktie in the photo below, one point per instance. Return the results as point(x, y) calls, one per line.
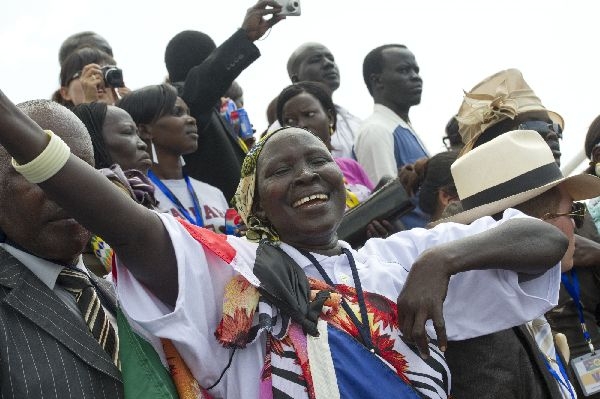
point(79, 284)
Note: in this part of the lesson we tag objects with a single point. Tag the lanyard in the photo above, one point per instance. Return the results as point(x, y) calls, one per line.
point(363, 327)
point(158, 183)
point(572, 287)
point(564, 381)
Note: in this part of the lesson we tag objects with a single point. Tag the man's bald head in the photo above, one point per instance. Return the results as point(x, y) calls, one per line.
point(50, 115)
point(64, 123)
point(27, 216)
point(314, 62)
point(299, 55)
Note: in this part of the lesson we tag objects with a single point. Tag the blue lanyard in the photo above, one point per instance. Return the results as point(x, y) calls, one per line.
point(564, 381)
point(158, 183)
point(572, 287)
point(363, 325)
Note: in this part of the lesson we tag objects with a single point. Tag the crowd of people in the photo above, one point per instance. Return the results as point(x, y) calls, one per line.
point(150, 247)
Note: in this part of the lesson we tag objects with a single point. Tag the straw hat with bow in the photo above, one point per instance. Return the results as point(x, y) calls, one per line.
point(498, 97)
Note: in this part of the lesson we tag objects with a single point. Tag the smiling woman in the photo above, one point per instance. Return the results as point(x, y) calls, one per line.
point(301, 192)
point(319, 304)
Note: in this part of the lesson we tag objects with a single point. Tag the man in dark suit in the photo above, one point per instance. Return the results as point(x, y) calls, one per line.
point(202, 74)
point(46, 347)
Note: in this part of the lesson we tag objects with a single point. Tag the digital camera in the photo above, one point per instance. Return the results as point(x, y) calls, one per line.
point(113, 76)
point(289, 7)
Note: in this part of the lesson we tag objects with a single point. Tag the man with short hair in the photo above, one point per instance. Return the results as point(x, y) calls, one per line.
point(315, 63)
point(46, 346)
point(386, 140)
point(202, 73)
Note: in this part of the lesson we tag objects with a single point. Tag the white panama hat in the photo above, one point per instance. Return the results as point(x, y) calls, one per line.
point(509, 170)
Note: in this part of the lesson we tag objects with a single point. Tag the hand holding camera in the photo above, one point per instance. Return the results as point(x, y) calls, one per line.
point(113, 76)
point(255, 24)
point(96, 80)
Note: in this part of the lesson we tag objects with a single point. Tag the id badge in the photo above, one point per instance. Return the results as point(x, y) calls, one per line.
point(587, 370)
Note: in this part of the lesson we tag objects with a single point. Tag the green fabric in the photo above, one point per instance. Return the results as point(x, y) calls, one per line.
point(144, 375)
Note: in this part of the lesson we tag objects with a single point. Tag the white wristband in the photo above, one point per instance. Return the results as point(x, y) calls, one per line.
point(45, 165)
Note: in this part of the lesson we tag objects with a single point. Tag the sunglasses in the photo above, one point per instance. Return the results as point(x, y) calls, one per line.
point(543, 128)
point(577, 213)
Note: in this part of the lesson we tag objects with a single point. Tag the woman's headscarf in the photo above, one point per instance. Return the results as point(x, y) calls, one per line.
point(243, 199)
point(93, 115)
point(245, 194)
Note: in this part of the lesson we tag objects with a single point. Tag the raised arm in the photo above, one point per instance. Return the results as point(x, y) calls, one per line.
point(135, 233)
point(525, 245)
point(207, 83)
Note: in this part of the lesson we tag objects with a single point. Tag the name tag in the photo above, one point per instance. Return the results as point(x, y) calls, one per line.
point(587, 370)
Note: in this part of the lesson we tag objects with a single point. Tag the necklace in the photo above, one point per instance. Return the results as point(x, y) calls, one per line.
point(362, 326)
point(173, 198)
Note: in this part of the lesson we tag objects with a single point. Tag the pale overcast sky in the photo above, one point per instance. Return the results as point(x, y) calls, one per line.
point(457, 43)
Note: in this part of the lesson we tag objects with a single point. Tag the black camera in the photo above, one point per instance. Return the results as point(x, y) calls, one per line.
point(113, 76)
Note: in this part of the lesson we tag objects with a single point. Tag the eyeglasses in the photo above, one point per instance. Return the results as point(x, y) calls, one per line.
point(543, 128)
point(577, 213)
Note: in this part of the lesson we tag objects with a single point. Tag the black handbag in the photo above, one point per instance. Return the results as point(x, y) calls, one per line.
point(389, 202)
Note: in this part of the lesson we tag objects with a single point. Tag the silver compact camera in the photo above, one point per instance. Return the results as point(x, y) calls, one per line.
point(289, 7)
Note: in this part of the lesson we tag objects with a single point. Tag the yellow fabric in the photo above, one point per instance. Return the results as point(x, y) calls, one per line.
point(243, 145)
point(351, 199)
point(103, 252)
point(243, 199)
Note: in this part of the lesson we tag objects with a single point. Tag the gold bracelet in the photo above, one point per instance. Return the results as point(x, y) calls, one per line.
point(45, 165)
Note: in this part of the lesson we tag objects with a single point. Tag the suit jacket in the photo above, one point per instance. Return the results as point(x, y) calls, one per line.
point(218, 159)
point(45, 351)
point(503, 365)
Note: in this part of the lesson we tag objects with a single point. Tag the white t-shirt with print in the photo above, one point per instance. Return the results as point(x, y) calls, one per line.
point(212, 202)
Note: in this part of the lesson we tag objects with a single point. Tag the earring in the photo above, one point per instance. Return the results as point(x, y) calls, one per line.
point(181, 161)
point(153, 149)
point(331, 129)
